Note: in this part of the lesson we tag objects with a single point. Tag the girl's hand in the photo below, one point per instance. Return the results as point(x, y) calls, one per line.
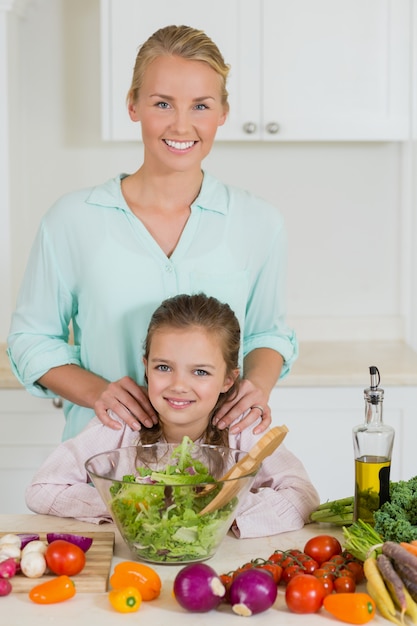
point(129, 402)
point(250, 400)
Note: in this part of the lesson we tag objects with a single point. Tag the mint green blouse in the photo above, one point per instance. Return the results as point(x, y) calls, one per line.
point(94, 265)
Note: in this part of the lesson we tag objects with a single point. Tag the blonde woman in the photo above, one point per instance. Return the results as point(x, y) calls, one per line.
point(104, 257)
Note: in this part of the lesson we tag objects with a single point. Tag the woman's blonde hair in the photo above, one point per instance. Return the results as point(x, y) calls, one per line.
point(208, 313)
point(185, 42)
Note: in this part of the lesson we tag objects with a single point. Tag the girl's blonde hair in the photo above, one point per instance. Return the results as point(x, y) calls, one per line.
point(206, 312)
point(185, 42)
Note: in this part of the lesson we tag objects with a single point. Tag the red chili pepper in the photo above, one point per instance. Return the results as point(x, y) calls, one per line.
point(55, 590)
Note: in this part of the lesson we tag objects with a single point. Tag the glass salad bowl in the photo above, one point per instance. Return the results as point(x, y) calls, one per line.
point(156, 495)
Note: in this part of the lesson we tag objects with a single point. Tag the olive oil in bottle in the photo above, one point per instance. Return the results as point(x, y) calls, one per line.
point(372, 441)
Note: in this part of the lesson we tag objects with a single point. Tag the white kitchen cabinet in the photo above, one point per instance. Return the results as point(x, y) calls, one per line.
point(300, 69)
point(320, 422)
point(30, 428)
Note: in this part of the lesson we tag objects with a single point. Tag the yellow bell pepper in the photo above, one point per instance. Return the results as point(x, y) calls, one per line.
point(125, 600)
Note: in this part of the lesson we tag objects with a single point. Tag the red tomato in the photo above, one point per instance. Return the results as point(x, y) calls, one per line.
point(328, 585)
point(273, 568)
point(309, 565)
point(277, 557)
point(289, 572)
point(304, 594)
point(357, 569)
point(344, 584)
point(338, 559)
point(242, 568)
point(322, 547)
point(324, 573)
point(63, 557)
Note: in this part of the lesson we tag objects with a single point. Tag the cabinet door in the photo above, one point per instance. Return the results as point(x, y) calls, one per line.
point(126, 24)
point(336, 69)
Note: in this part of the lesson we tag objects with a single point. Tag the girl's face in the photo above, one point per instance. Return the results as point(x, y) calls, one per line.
point(180, 109)
point(186, 373)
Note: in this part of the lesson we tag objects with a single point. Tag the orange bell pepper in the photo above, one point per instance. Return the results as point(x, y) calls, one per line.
point(353, 608)
point(126, 600)
point(132, 574)
point(54, 590)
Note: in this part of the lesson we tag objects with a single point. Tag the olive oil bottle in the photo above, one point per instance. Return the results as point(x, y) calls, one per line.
point(372, 442)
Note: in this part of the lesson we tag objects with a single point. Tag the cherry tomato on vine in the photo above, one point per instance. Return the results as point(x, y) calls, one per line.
point(242, 568)
point(329, 566)
point(338, 559)
point(357, 569)
point(64, 557)
point(328, 584)
point(273, 568)
point(277, 557)
point(322, 547)
point(309, 565)
point(304, 594)
point(344, 584)
point(321, 572)
point(290, 572)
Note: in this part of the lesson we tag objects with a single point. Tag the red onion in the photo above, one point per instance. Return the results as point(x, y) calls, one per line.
point(252, 591)
point(82, 542)
point(26, 538)
point(198, 588)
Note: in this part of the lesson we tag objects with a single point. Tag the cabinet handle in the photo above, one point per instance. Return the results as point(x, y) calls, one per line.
point(57, 402)
point(249, 128)
point(272, 128)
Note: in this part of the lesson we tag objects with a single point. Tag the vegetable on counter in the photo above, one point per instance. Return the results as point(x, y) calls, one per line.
point(304, 594)
point(361, 538)
point(138, 575)
point(198, 588)
point(5, 587)
point(252, 591)
point(8, 568)
point(396, 520)
point(337, 512)
point(353, 608)
point(54, 590)
point(390, 571)
point(64, 557)
point(82, 542)
point(33, 564)
point(125, 600)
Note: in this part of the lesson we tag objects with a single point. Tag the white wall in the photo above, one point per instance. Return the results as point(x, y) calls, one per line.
point(342, 202)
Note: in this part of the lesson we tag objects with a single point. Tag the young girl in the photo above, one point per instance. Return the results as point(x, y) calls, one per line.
point(191, 364)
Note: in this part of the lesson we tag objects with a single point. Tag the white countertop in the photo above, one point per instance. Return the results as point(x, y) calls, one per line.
point(321, 364)
point(87, 608)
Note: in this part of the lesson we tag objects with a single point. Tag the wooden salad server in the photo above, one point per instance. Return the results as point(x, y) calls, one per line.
point(249, 463)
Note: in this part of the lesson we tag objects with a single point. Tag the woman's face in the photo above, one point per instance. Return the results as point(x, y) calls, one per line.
point(186, 373)
point(179, 108)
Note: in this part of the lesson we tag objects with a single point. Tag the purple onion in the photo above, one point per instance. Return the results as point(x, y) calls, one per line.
point(82, 542)
point(252, 591)
point(198, 588)
point(26, 538)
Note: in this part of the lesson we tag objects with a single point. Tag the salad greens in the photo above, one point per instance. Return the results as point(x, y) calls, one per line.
point(157, 511)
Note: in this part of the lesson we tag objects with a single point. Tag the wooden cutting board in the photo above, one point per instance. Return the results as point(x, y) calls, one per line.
point(93, 578)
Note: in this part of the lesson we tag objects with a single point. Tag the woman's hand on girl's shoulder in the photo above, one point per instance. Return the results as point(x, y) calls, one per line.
point(129, 402)
point(249, 402)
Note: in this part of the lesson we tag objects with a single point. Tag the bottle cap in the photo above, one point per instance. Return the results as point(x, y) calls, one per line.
point(373, 394)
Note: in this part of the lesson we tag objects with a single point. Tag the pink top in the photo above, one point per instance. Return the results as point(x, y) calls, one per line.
point(281, 499)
